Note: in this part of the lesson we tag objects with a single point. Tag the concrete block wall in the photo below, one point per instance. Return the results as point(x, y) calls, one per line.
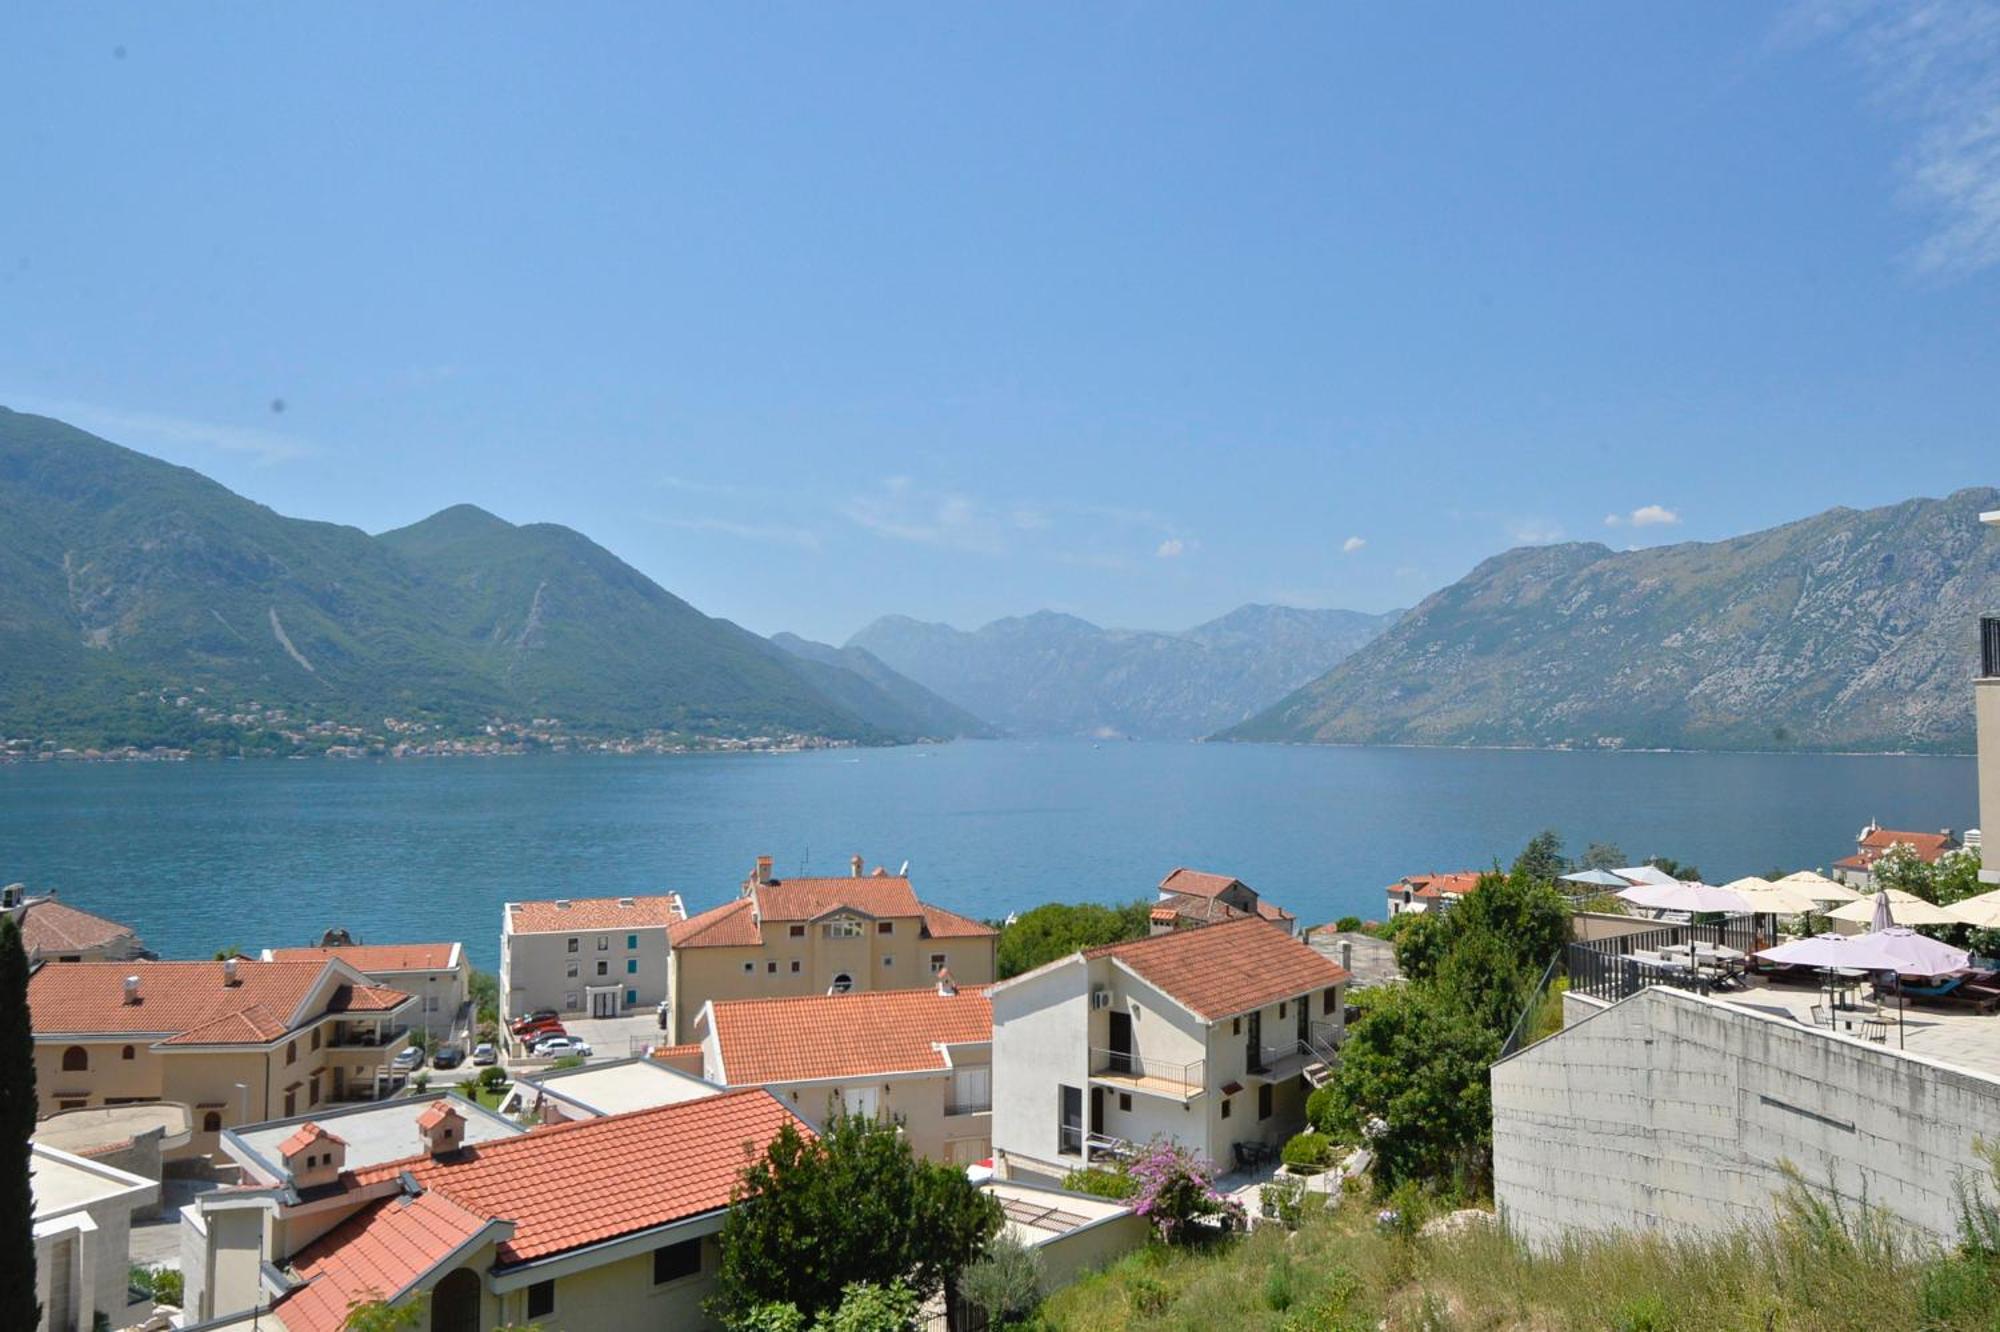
point(1673, 1112)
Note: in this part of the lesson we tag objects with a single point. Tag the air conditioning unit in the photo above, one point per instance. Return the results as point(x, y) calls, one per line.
point(1100, 997)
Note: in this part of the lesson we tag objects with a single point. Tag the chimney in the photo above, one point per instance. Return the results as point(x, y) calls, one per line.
point(131, 990)
point(1347, 956)
point(854, 865)
point(763, 872)
point(947, 987)
point(442, 1127)
point(229, 976)
point(562, 904)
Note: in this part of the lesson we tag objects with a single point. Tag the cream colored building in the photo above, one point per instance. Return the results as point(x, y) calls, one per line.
point(922, 1058)
point(604, 1223)
point(437, 976)
point(787, 937)
point(83, 1228)
point(236, 1042)
point(1986, 714)
point(592, 956)
point(53, 931)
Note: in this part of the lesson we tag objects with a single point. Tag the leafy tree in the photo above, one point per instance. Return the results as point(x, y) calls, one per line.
point(1901, 868)
point(1006, 1285)
point(813, 1215)
point(1679, 869)
point(1412, 1082)
point(1421, 943)
point(484, 988)
point(1042, 935)
point(1602, 856)
point(1528, 914)
point(1483, 978)
point(1542, 859)
point(862, 1308)
point(378, 1315)
point(1347, 924)
point(18, 1306)
point(1956, 876)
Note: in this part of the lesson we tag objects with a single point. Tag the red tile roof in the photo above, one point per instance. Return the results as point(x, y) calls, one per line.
point(1455, 884)
point(1200, 883)
point(49, 926)
point(808, 899)
point(942, 924)
point(1930, 847)
point(436, 1114)
point(305, 1136)
point(1190, 907)
point(845, 1035)
point(595, 913)
point(731, 925)
point(596, 1179)
point(1222, 970)
point(374, 1254)
point(187, 1001)
point(371, 958)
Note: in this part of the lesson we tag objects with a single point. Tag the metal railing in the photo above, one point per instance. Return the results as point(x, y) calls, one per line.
point(969, 1107)
point(1190, 1077)
point(1989, 646)
point(1605, 968)
point(366, 1038)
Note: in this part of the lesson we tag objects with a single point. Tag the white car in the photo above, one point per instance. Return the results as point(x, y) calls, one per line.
point(407, 1059)
point(484, 1053)
point(555, 1047)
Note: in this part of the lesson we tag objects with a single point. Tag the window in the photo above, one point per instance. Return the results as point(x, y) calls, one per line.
point(1264, 1101)
point(73, 1104)
point(1069, 1124)
point(129, 1053)
point(76, 1059)
point(797, 931)
point(1329, 999)
point(795, 966)
point(842, 983)
point(542, 1299)
point(1225, 1107)
point(212, 1122)
point(631, 996)
point(937, 963)
point(1124, 1100)
point(631, 966)
point(569, 1000)
point(603, 943)
point(843, 929)
point(291, 1104)
point(674, 1262)
point(888, 960)
point(632, 941)
point(749, 967)
point(971, 1089)
point(1281, 1008)
point(572, 945)
point(570, 970)
point(885, 927)
point(771, 968)
point(1236, 1026)
point(603, 967)
point(291, 1052)
point(316, 1035)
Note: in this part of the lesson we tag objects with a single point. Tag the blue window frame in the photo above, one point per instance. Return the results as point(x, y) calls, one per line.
point(631, 966)
point(631, 941)
point(631, 996)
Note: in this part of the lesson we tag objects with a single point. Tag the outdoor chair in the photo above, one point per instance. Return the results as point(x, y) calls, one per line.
point(1875, 1029)
point(1821, 1017)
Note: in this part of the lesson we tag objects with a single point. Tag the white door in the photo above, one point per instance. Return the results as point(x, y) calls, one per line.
point(604, 1004)
point(861, 1100)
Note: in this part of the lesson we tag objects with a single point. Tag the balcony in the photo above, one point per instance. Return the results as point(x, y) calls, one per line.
point(1989, 647)
point(955, 1108)
point(366, 1037)
point(1288, 1059)
point(1132, 1072)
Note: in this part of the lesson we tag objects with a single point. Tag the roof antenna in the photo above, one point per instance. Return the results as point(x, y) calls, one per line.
point(904, 872)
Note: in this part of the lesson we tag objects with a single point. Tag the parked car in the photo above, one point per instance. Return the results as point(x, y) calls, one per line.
point(536, 1035)
point(484, 1053)
point(447, 1056)
point(555, 1047)
point(521, 1024)
point(407, 1059)
point(539, 1027)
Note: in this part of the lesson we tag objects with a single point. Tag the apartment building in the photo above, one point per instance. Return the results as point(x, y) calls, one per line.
point(1429, 892)
point(438, 976)
point(602, 1223)
point(53, 931)
point(594, 956)
point(1210, 1037)
point(236, 1042)
point(83, 1227)
point(1873, 842)
point(1189, 897)
point(920, 1057)
point(833, 935)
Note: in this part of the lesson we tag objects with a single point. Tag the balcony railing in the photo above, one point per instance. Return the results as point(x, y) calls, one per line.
point(979, 1107)
point(1989, 647)
point(366, 1038)
point(1136, 1072)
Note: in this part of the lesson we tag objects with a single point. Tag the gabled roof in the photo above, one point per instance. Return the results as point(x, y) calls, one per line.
point(594, 913)
point(1455, 884)
point(1222, 970)
point(1875, 842)
point(1201, 883)
point(844, 1035)
point(942, 924)
point(597, 1179)
point(189, 1003)
point(809, 899)
point(438, 1112)
point(305, 1136)
point(377, 1253)
point(49, 926)
point(731, 925)
point(1189, 907)
point(372, 958)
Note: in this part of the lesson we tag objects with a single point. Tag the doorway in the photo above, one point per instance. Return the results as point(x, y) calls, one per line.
point(1121, 1042)
point(455, 1302)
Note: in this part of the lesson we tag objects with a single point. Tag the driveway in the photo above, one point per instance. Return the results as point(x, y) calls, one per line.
point(614, 1038)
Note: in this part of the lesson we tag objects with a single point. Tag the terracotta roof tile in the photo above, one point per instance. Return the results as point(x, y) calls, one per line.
point(371, 958)
point(808, 899)
point(187, 1000)
point(49, 926)
point(305, 1136)
point(596, 1179)
point(595, 913)
point(845, 1035)
point(1455, 884)
point(1222, 970)
point(1929, 847)
point(691, 1049)
point(942, 924)
point(374, 1254)
point(731, 925)
point(1200, 883)
point(1192, 907)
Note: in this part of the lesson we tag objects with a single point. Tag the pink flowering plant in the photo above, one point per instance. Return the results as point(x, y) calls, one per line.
point(1175, 1188)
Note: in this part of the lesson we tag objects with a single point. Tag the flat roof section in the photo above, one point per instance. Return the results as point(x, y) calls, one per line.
point(375, 1132)
point(620, 1087)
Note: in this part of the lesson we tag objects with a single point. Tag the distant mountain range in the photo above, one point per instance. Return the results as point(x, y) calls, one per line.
point(142, 603)
point(1845, 631)
point(1049, 674)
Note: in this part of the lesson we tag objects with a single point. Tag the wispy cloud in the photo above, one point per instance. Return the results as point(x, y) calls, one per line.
point(804, 538)
point(1646, 515)
point(1534, 531)
point(902, 510)
point(1171, 549)
point(1933, 65)
point(1352, 544)
point(158, 431)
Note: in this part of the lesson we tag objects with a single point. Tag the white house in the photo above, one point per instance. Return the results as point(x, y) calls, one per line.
point(1211, 1037)
point(83, 1227)
point(597, 956)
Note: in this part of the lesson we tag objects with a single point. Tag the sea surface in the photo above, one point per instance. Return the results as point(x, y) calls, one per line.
point(200, 855)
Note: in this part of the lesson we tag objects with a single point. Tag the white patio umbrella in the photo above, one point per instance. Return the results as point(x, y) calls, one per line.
point(1908, 909)
point(1920, 955)
point(1836, 952)
point(1645, 874)
point(1777, 899)
point(1595, 878)
point(1820, 888)
point(1982, 911)
point(1677, 896)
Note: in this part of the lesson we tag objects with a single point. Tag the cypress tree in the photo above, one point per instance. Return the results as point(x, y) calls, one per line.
point(18, 1306)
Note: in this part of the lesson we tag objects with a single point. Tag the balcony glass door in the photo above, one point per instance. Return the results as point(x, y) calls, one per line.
point(1069, 1129)
point(1253, 1054)
point(1121, 1042)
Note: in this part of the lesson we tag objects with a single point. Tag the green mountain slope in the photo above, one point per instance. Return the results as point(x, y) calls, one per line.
point(1848, 630)
point(128, 584)
point(867, 687)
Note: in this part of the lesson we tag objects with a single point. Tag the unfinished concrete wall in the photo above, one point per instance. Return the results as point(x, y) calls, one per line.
point(1673, 1112)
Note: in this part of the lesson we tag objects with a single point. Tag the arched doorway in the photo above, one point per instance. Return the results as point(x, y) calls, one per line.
point(455, 1302)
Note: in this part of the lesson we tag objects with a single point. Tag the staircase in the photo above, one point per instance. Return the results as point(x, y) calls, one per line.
point(1322, 1058)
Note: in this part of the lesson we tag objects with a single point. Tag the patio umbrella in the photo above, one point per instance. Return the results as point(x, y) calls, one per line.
point(1677, 896)
point(1777, 899)
point(1835, 952)
point(1919, 954)
point(1982, 911)
point(1645, 874)
point(1820, 888)
point(1907, 909)
point(1596, 878)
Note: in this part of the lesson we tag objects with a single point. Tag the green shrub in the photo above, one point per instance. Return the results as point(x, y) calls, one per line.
point(1278, 1292)
point(1308, 1150)
point(1148, 1295)
point(493, 1077)
point(1320, 1111)
point(1348, 924)
point(1283, 1200)
point(1100, 1183)
point(1007, 1284)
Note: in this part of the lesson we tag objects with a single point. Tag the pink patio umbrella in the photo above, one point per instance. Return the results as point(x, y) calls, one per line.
point(1690, 897)
point(1835, 952)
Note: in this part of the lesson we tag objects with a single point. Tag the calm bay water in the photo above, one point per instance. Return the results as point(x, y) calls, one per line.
point(198, 855)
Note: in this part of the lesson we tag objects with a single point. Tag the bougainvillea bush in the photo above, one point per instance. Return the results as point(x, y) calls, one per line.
point(1177, 1188)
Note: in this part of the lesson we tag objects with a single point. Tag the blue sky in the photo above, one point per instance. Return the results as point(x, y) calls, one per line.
point(816, 313)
